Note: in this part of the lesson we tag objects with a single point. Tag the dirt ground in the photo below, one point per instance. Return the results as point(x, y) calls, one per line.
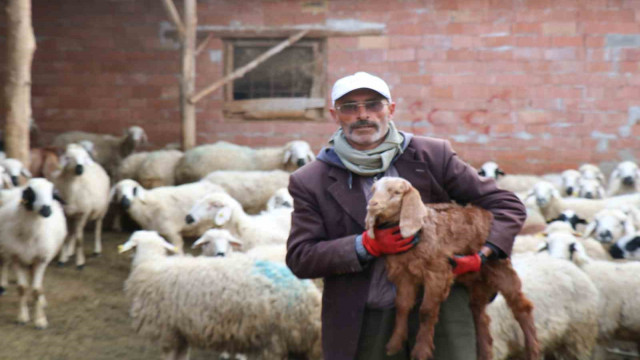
point(87, 313)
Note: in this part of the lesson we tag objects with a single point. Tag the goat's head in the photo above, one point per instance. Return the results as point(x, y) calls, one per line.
point(395, 200)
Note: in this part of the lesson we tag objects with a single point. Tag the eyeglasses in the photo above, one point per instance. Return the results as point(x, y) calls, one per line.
point(370, 106)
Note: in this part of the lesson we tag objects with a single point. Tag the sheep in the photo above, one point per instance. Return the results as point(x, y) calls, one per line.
point(31, 234)
point(570, 216)
point(626, 247)
point(560, 228)
point(491, 169)
point(5, 179)
point(394, 200)
point(551, 204)
point(625, 179)
point(201, 160)
point(163, 209)
point(15, 168)
point(158, 168)
point(216, 242)
point(565, 310)
point(268, 228)
point(570, 179)
point(591, 171)
point(609, 225)
point(590, 189)
point(128, 168)
point(617, 283)
point(233, 304)
point(109, 149)
point(280, 199)
point(252, 189)
point(84, 185)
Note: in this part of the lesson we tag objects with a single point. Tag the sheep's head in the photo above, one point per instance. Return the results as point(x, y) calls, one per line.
point(591, 171)
point(297, 154)
point(627, 247)
point(217, 242)
point(490, 169)
point(75, 158)
point(570, 180)
point(137, 134)
point(15, 168)
point(125, 192)
point(563, 245)
point(149, 243)
point(544, 192)
point(280, 199)
point(570, 217)
point(216, 207)
point(627, 172)
point(38, 195)
point(590, 189)
point(395, 200)
point(609, 225)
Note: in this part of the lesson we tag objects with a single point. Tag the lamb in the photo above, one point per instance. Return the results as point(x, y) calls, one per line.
point(565, 310)
point(609, 225)
point(627, 247)
point(491, 169)
point(590, 189)
point(158, 168)
point(394, 200)
point(31, 234)
point(233, 304)
point(84, 185)
point(570, 216)
point(625, 179)
point(252, 189)
point(164, 209)
point(618, 285)
point(15, 168)
point(591, 171)
point(268, 228)
point(109, 149)
point(216, 242)
point(570, 179)
point(201, 160)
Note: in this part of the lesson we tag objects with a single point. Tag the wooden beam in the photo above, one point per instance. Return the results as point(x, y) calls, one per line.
point(250, 66)
point(21, 44)
point(188, 81)
point(174, 16)
point(203, 44)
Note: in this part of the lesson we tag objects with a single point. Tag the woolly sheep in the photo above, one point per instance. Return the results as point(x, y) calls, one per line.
point(570, 217)
point(31, 234)
point(84, 185)
point(201, 160)
point(158, 168)
point(609, 225)
point(618, 285)
point(233, 304)
point(268, 228)
point(252, 189)
point(15, 168)
point(128, 168)
point(565, 310)
point(625, 179)
point(491, 169)
point(591, 171)
point(164, 209)
point(590, 189)
point(280, 199)
point(216, 242)
point(570, 180)
point(627, 247)
point(109, 149)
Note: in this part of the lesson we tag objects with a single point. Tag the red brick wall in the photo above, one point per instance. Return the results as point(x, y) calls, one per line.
point(535, 85)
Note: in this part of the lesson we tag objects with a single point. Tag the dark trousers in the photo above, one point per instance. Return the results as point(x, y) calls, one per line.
point(455, 334)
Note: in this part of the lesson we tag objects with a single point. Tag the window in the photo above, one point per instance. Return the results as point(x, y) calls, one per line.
point(288, 85)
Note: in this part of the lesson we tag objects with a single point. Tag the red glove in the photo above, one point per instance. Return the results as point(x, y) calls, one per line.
point(388, 241)
point(463, 264)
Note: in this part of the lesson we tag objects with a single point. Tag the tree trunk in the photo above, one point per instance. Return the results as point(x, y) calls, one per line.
point(21, 45)
point(187, 87)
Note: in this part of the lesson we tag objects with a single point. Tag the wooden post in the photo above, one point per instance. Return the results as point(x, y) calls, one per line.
point(187, 88)
point(21, 44)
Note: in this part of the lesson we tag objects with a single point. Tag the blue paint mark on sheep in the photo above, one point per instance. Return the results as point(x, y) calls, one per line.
point(281, 276)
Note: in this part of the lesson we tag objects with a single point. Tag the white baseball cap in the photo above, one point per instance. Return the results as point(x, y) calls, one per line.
point(359, 80)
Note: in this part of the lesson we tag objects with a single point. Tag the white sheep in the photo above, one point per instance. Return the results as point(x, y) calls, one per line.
point(15, 168)
point(216, 242)
point(84, 186)
point(158, 168)
point(234, 304)
point(570, 180)
point(627, 247)
point(32, 231)
point(591, 171)
point(164, 209)
point(268, 228)
point(280, 199)
point(609, 225)
point(252, 189)
point(203, 159)
point(590, 189)
point(618, 284)
point(625, 179)
point(565, 310)
point(109, 149)
point(128, 168)
point(491, 169)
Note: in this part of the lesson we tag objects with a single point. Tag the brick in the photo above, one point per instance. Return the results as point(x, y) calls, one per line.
point(401, 55)
point(373, 42)
point(559, 29)
point(526, 28)
point(573, 41)
point(533, 117)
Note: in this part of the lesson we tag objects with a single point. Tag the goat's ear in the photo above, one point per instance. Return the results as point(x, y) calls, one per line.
point(370, 223)
point(411, 213)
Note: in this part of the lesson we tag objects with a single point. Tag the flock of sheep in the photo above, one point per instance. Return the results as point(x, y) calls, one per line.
point(238, 297)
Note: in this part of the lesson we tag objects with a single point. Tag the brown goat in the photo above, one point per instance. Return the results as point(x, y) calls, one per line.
point(446, 230)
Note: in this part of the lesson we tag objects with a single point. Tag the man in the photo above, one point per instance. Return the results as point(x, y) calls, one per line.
point(327, 239)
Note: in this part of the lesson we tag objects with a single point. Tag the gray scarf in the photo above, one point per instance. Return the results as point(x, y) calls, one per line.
point(368, 162)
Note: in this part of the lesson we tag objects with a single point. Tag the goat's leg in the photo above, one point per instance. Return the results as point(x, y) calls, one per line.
point(480, 295)
point(23, 288)
point(436, 290)
point(78, 231)
point(406, 292)
point(4, 277)
point(40, 319)
point(97, 249)
point(510, 286)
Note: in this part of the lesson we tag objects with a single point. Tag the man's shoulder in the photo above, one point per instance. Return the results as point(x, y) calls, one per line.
point(426, 142)
point(311, 170)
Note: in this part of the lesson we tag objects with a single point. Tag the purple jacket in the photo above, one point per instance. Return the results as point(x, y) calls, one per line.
point(329, 212)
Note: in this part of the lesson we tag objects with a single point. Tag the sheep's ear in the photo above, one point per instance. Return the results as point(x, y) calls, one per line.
point(482, 173)
point(411, 213)
point(310, 156)
point(126, 246)
point(236, 244)
point(591, 227)
point(287, 156)
point(500, 172)
point(201, 241)
point(222, 216)
point(543, 246)
point(25, 172)
point(140, 193)
point(555, 193)
point(170, 247)
point(629, 228)
point(601, 192)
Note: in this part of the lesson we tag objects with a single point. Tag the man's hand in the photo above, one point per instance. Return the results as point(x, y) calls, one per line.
point(388, 241)
point(463, 264)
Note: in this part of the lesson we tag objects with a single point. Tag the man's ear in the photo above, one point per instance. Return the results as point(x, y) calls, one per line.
point(334, 115)
point(392, 107)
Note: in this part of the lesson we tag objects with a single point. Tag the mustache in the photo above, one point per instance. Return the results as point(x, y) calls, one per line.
point(362, 123)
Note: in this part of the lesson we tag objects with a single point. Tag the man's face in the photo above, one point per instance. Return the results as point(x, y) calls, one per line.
point(365, 129)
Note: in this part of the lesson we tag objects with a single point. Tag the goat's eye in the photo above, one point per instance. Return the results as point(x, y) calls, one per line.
point(397, 192)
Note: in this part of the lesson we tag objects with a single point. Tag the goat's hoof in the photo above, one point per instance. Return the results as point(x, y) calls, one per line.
point(2, 290)
point(97, 254)
point(80, 267)
point(420, 354)
point(393, 348)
